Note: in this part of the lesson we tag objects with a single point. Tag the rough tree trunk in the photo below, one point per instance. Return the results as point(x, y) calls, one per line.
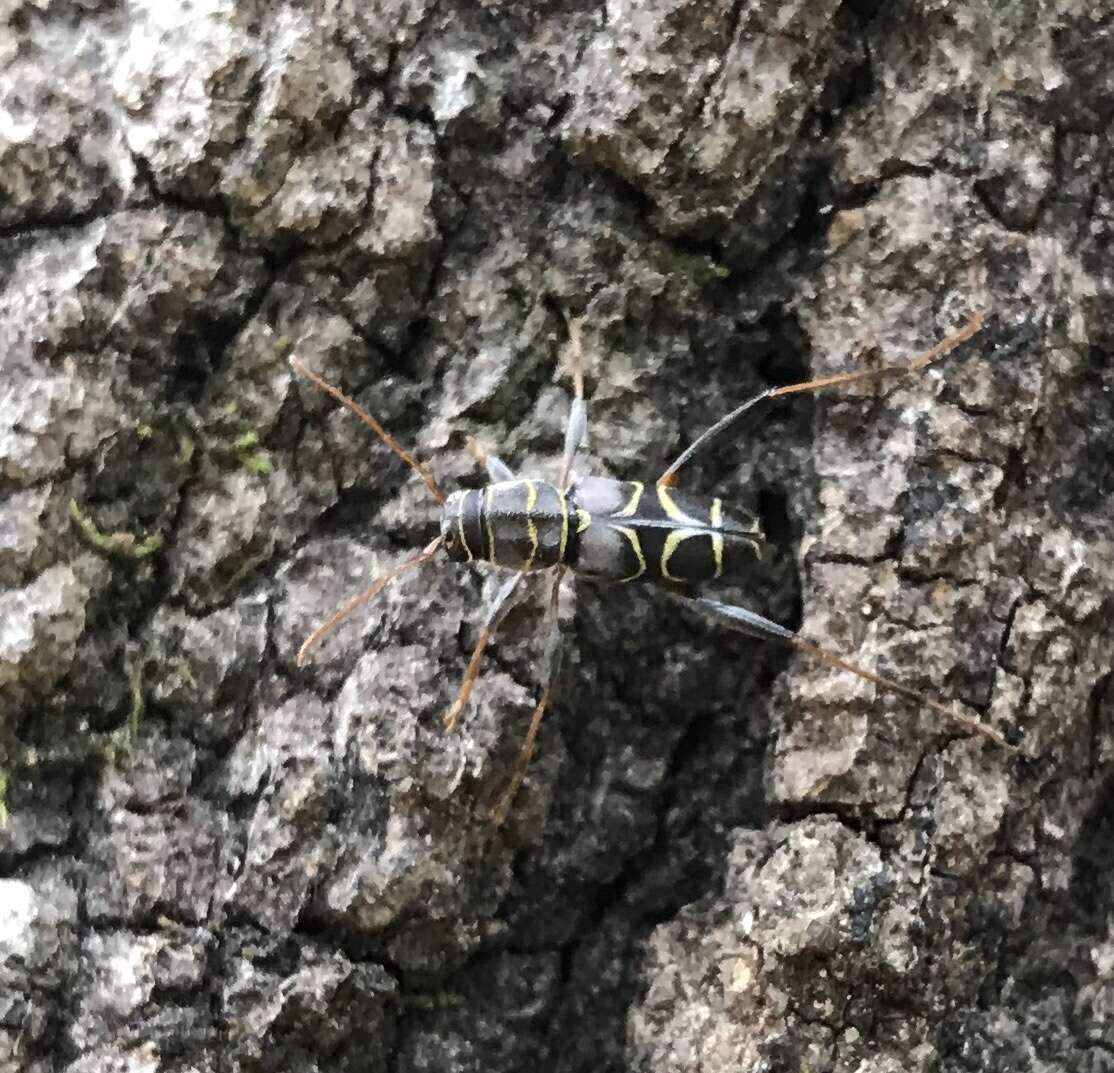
point(724, 858)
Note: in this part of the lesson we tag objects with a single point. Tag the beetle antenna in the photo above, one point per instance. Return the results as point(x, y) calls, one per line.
point(761, 401)
point(945, 346)
point(369, 593)
point(421, 470)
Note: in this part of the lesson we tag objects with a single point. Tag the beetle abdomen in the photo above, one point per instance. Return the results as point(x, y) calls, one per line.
point(628, 531)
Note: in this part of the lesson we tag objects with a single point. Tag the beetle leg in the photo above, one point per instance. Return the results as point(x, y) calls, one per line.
point(497, 469)
point(744, 621)
point(498, 607)
point(552, 664)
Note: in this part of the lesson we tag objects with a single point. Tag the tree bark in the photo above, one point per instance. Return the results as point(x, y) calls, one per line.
point(725, 857)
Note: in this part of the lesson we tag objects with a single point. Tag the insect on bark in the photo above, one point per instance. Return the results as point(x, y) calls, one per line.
point(618, 531)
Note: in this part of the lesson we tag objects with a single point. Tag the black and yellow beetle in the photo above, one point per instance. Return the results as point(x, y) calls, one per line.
point(612, 530)
point(620, 531)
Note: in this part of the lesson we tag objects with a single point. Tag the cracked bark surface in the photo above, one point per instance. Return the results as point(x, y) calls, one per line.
point(723, 858)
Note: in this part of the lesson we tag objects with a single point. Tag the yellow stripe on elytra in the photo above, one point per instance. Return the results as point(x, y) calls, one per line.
point(636, 544)
point(488, 492)
point(716, 515)
point(632, 506)
point(717, 552)
point(672, 510)
point(673, 540)
point(583, 520)
point(531, 525)
point(460, 527)
point(564, 525)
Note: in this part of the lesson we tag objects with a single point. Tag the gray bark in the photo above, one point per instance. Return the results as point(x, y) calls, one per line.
point(724, 858)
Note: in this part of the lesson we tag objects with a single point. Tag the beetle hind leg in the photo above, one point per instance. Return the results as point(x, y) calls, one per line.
point(754, 625)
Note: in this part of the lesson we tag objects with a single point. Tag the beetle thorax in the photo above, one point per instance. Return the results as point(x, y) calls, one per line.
point(521, 524)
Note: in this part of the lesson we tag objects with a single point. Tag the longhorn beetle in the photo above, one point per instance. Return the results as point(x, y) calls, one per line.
point(612, 530)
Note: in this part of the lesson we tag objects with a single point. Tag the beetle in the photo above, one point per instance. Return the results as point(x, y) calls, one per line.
point(612, 530)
